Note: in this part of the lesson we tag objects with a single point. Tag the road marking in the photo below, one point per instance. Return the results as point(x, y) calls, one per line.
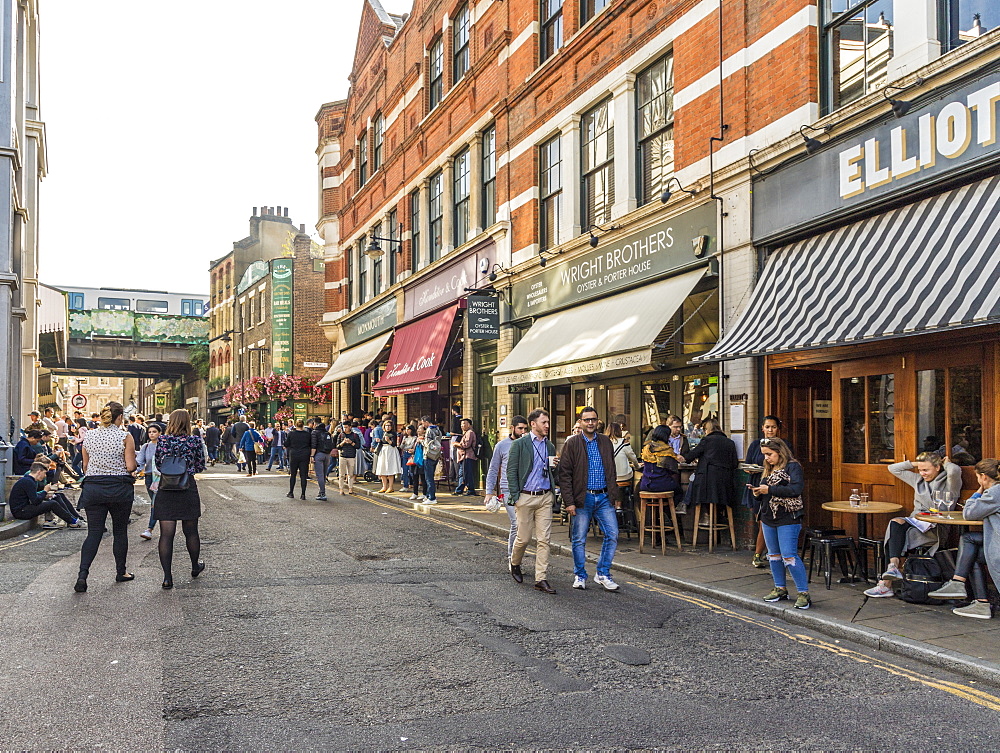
point(965, 692)
point(29, 540)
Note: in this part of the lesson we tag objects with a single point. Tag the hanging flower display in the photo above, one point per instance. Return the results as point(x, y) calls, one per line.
point(284, 414)
point(279, 387)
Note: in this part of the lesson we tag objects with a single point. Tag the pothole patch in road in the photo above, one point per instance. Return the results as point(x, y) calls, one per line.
point(630, 655)
point(60, 554)
point(182, 713)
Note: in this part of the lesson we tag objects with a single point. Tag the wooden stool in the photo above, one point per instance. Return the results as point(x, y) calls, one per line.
point(655, 502)
point(712, 526)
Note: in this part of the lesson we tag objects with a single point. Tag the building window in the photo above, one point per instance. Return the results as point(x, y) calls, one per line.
point(436, 188)
point(362, 158)
point(415, 230)
point(147, 306)
point(261, 310)
point(857, 47)
point(76, 302)
point(460, 42)
point(552, 28)
point(590, 8)
point(489, 177)
point(376, 231)
point(393, 247)
point(103, 382)
point(378, 133)
point(461, 198)
point(962, 21)
point(655, 98)
point(550, 186)
point(598, 137)
point(436, 88)
point(362, 272)
point(253, 310)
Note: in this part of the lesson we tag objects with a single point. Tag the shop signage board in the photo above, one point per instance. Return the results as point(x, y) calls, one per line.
point(614, 266)
point(281, 316)
point(955, 133)
point(483, 315)
point(160, 401)
point(447, 286)
point(580, 368)
point(300, 409)
point(79, 401)
point(525, 388)
point(371, 323)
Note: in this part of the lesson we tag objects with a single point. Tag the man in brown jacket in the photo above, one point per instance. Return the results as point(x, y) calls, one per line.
point(589, 487)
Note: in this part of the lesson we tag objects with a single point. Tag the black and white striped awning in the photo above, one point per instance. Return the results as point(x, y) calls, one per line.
point(925, 267)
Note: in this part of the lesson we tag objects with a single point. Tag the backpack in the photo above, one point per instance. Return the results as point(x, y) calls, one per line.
point(432, 448)
point(325, 443)
point(175, 476)
point(921, 575)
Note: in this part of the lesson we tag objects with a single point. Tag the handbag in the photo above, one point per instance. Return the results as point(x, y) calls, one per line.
point(258, 448)
point(175, 476)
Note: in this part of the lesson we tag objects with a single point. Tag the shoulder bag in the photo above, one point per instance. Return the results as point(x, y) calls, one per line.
point(175, 475)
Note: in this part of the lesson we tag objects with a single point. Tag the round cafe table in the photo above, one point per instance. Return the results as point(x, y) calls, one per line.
point(950, 518)
point(872, 508)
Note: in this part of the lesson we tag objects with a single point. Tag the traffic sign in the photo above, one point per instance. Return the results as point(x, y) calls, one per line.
point(78, 401)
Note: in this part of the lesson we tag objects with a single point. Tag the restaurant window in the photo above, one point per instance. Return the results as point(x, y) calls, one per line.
point(590, 8)
point(950, 413)
point(550, 183)
point(461, 194)
point(436, 62)
point(620, 404)
point(115, 304)
point(655, 406)
point(868, 419)
point(394, 247)
point(700, 401)
point(857, 44)
point(146, 306)
point(436, 204)
point(655, 100)
point(378, 133)
point(552, 29)
point(376, 231)
point(460, 42)
point(362, 158)
point(961, 21)
point(415, 230)
point(598, 136)
point(489, 177)
point(362, 272)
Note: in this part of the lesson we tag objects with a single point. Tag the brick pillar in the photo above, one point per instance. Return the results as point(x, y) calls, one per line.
point(476, 186)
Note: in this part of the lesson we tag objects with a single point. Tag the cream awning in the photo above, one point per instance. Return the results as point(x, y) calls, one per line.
point(353, 361)
point(611, 333)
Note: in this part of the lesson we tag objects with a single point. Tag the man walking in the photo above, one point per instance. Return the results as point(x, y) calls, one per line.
point(588, 480)
point(432, 453)
point(531, 490)
point(496, 477)
point(237, 430)
point(277, 447)
point(212, 438)
point(322, 446)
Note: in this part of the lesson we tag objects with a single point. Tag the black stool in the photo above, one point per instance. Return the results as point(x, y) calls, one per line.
point(877, 548)
point(818, 532)
point(829, 546)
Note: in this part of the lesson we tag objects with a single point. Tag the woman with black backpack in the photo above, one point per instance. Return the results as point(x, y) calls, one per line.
point(179, 456)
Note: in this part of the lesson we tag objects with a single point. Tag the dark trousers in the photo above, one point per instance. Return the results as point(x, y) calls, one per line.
point(59, 506)
point(251, 458)
point(97, 516)
point(468, 477)
point(298, 465)
point(896, 544)
point(971, 560)
point(430, 468)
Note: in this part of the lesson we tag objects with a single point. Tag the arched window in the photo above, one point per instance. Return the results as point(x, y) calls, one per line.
point(212, 362)
point(229, 355)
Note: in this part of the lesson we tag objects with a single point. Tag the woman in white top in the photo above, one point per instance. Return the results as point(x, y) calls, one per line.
point(387, 462)
point(108, 489)
point(625, 459)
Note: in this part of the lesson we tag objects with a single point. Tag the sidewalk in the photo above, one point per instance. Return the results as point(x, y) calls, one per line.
point(929, 633)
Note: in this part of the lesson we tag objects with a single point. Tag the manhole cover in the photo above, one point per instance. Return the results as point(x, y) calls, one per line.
point(627, 654)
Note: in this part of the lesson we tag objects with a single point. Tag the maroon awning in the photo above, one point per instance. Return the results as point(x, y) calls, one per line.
point(418, 351)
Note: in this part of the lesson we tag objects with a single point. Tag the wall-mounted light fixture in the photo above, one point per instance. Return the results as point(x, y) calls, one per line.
point(543, 259)
point(498, 269)
point(899, 106)
point(593, 238)
point(374, 250)
point(665, 196)
point(812, 145)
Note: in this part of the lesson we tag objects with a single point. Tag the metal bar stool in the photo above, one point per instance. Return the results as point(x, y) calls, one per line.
point(713, 527)
point(829, 547)
point(655, 502)
point(877, 548)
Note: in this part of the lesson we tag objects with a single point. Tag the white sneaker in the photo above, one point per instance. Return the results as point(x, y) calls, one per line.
point(414, 496)
point(147, 535)
point(879, 591)
point(430, 501)
point(607, 582)
point(892, 573)
point(580, 583)
point(420, 496)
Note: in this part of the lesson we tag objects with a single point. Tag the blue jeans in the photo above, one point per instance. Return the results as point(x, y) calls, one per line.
point(403, 458)
point(277, 453)
point(783, 551)
point(430, 467)
point(596, 506)
point(213, 453)
point(466, 476)
point(152, 500)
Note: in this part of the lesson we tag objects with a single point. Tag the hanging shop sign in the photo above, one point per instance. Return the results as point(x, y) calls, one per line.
point(78, 401)
point(483, 315)
point(281, 316)
point(954, 134)
point(300, 410)
point(447, 286)
point(160, 401)
point(523, 388)
point(614, 266)
point(370, 323)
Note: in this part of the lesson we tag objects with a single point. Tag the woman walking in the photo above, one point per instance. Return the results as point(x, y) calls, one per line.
point(147, 466)
point(780, 495)
point(108, 489)
point(81, 434)
point(177, 443)
point(298, 445)
point(248, 446)
point(387, 465)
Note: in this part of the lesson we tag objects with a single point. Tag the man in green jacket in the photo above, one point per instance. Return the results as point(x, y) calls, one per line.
point(531, 489)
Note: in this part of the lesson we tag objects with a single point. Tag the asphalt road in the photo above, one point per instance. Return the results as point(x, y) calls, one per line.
point(353, 624)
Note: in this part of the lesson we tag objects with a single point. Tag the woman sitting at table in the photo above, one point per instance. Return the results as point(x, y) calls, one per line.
point(977, 548)
point(769, 429)
point(660, 472)
point(780, 514)
point(929, 474)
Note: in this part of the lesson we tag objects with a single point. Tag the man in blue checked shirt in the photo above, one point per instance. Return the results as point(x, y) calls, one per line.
point(589, 485)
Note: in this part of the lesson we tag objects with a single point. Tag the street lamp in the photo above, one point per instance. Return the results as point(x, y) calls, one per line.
point(374, 250)
point(593, 238)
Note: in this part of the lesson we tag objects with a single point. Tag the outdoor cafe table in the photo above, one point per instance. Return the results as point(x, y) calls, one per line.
point(872, 508)
point(949, 518)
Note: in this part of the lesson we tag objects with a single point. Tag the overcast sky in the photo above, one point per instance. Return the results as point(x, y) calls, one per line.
point(168, 122)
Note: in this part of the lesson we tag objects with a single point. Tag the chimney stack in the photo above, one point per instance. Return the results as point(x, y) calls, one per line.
point(254, 212)
point(286, 211)
point(302, 228)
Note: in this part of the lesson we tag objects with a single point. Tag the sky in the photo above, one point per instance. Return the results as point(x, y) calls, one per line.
point(167, 123)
